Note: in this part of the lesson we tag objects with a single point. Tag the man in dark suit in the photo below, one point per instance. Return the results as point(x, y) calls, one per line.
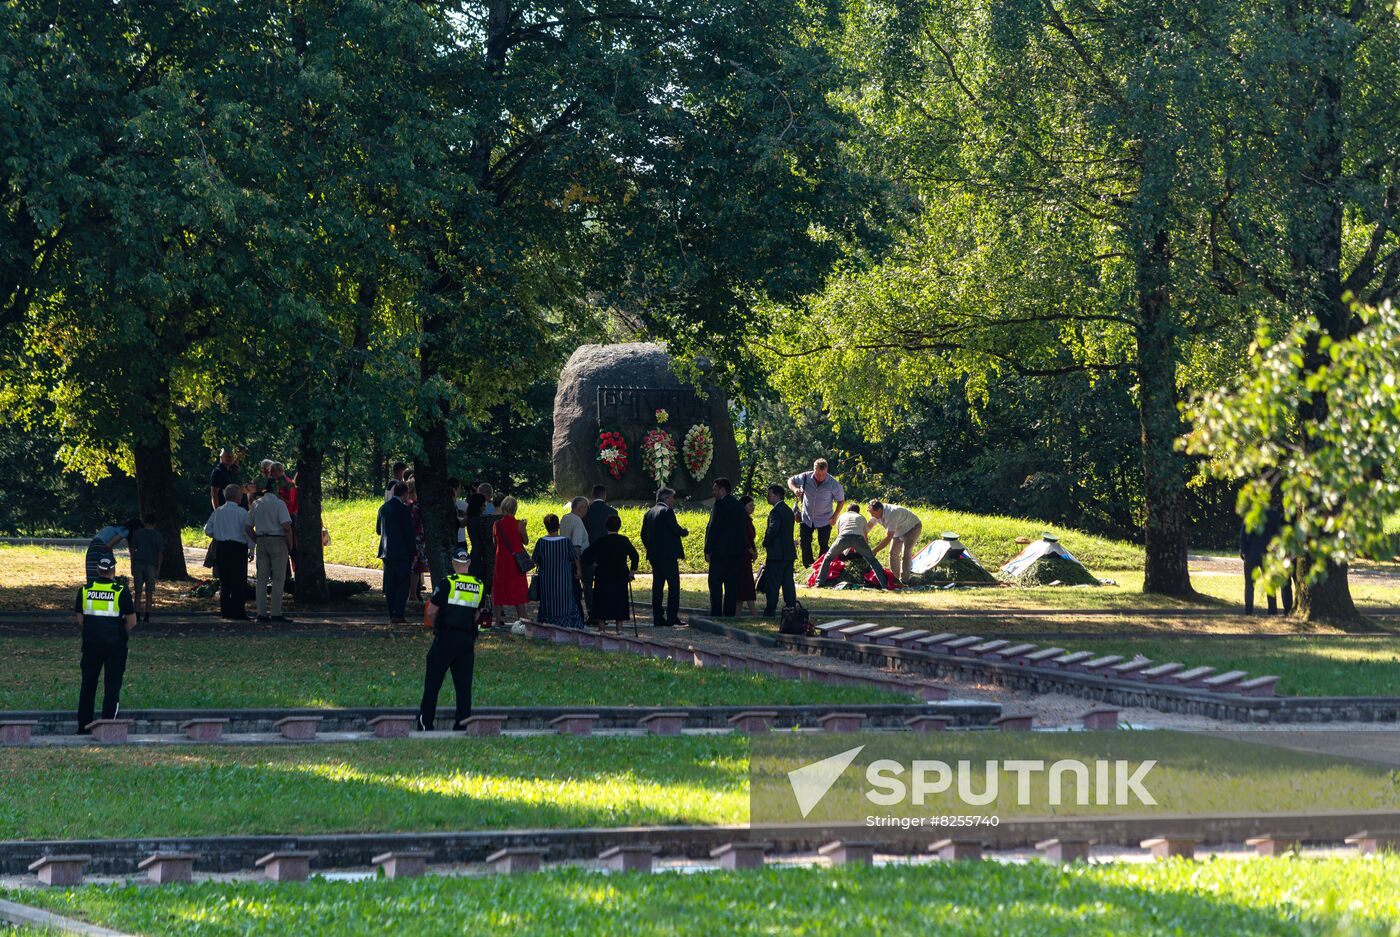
point(662, 540)
point(779, 553)
point(726, 548)
point(595, 521)
point(397, 549)
point(1254, 544)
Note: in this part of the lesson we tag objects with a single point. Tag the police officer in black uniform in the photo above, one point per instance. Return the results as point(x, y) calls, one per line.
point(452, 613)
point(107, 614)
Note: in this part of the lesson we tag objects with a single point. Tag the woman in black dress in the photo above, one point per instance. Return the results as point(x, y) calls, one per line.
point(481, 534)
point(614, 560)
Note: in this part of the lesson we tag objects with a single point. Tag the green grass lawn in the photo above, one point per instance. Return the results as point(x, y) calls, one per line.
point(386, 670)
point(991, 538)
point(453, 784)
point(563, 782)
point(1279, 898)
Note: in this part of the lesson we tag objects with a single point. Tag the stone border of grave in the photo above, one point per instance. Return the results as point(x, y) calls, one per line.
point(1171, 687)
point(358, 850)
point(963, 714)
point(22, 916)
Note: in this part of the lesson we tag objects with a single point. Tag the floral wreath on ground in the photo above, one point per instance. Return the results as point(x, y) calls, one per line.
point(698, 450)
point(659, 455)
point(612, 452)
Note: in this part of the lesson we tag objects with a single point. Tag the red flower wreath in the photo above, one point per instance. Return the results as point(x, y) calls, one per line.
point(612, 452)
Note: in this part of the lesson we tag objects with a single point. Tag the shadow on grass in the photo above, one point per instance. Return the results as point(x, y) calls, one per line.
point(386, 670)
point(458, 784)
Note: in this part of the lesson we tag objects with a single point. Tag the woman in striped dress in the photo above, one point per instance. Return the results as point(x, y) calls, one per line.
point(557, 566)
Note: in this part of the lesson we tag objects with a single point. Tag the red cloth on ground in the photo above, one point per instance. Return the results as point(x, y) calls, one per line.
point(509, 586)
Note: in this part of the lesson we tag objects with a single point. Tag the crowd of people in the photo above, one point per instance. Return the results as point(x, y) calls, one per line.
point(257, 519)
point(579, 569)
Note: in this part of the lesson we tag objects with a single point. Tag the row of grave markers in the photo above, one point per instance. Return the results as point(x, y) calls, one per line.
point(294, 865)
point(1026, 654)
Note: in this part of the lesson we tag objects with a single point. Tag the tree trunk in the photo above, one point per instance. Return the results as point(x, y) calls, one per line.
point(1165, 571)
point(156, 494)
point(435, 497)
point(1329, 599)
point(312, 587)
point(1317, 271)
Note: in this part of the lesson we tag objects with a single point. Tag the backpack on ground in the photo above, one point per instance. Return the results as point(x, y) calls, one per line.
point(793, 619)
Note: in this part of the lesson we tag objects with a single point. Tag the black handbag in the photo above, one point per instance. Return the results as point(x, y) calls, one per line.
point(793, 619)
point(523, 562)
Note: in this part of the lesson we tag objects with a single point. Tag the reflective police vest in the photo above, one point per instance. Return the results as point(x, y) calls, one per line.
point(465, 591)
point(102, 611)
point(463, 599)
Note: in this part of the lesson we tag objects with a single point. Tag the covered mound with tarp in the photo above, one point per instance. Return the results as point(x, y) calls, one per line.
point(848, 572)
point(1046, 562)
point(946, 560)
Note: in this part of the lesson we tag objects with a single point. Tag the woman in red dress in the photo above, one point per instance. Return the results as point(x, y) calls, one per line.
point(509, 589)
point(747, 591)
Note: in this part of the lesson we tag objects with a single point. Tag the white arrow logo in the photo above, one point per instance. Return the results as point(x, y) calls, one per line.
point(811, 782)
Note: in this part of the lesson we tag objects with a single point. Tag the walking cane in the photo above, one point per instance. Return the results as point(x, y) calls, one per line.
point(631, 608)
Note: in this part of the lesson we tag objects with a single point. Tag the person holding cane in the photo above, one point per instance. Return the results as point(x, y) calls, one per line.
point(613, 559)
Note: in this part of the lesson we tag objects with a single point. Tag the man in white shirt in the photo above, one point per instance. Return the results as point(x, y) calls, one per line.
point(571, 525)
point(850, 535)
point(272, 529)
point(902, 532)
point(232, 535)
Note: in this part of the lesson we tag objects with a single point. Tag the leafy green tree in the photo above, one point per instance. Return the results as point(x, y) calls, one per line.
point(1062, 155)
point(663, 160)
point(1318, 221)
point(1334, 478)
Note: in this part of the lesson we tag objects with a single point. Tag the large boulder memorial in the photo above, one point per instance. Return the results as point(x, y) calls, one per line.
point(624, 419)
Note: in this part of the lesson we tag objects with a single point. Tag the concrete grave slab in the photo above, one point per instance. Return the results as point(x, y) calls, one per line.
point(298, 728)
point(392, 727)
point(1371, 842)
point(848, 852)
point(663, 723)
point(574, 723)
point(1171, 847)
point(109, 731)
point(957, 849)
point(516, 859)
point(841, 722)
point(164, 868)
point(1064, 851)
point(628, 858)
point(1271, 845)
point(754, 720)
point(60, 870)
point(740, 855)
point(403, 863)
point(1101, 718)
point(288, 865)
point(483, 725)
point(204, 730)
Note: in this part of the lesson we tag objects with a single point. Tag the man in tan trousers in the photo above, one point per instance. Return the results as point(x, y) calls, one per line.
point(902, 532)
